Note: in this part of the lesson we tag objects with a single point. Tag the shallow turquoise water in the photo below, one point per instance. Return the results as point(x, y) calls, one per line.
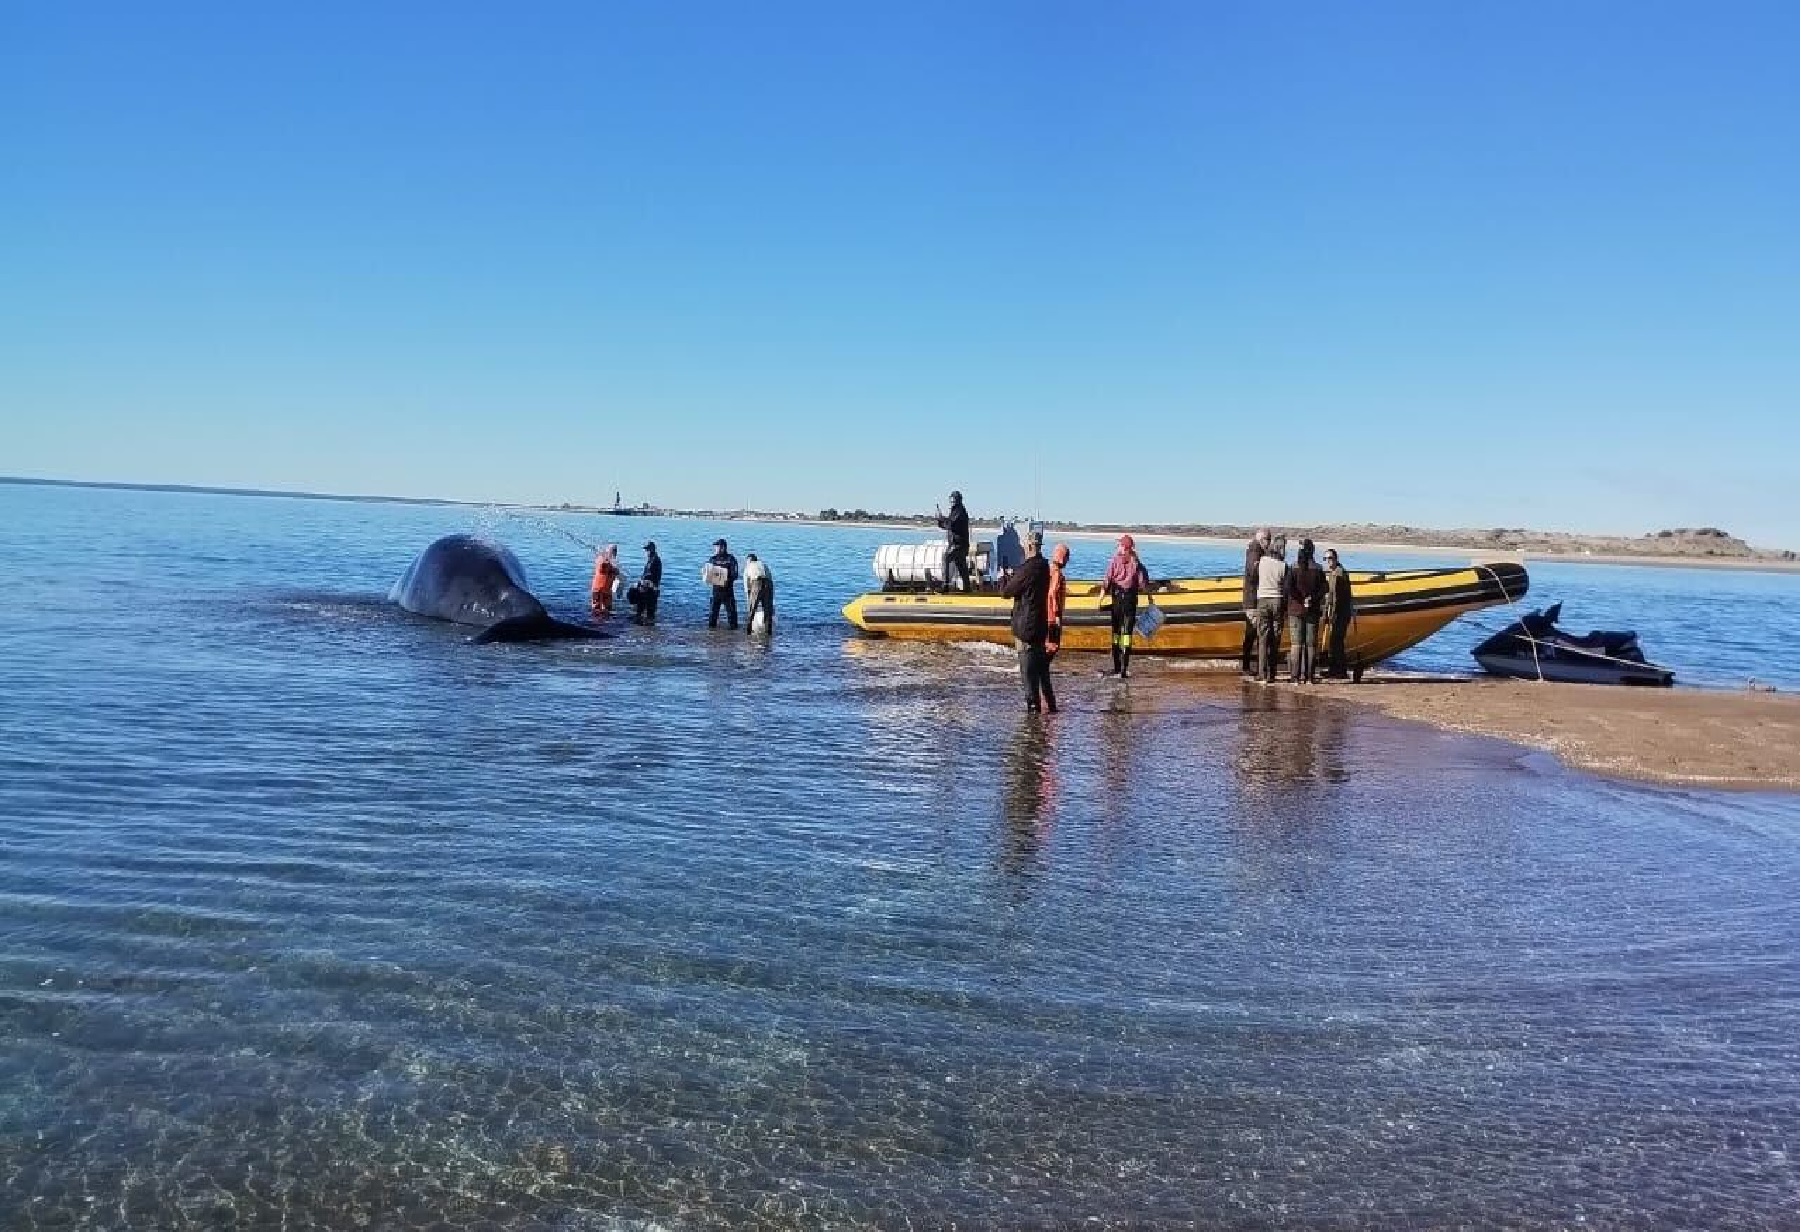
point(312, 913)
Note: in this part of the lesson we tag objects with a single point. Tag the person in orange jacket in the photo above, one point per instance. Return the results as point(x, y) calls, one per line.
point(606, 573)
point(1059, 592)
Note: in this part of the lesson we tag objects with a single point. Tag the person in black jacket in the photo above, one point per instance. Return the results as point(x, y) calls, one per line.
point(956, 538)
point(1253, 552)
point(644, 594)
point(1029, 587)
point(722, 573)
point(1306, 594)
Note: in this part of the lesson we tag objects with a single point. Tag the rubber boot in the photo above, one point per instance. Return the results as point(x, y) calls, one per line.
point(1125, 661)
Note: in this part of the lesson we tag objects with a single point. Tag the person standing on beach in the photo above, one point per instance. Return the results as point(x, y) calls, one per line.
point(1054, 600)
point(1126, 576)
point(606, 575)
point(1306, 590)
point(956, 541)
point(1337, 614)
point(1253, 552)
point(759, 593)
point(1272, 577)
point(648, 588)
point(1029, 588)
point(721, 573)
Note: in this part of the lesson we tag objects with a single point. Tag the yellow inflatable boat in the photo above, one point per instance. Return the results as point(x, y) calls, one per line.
point(1204, 617)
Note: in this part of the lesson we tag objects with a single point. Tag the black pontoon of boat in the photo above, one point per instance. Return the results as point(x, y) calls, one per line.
point(1534, 648)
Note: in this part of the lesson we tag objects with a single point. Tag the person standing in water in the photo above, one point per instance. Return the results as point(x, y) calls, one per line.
point(1126, 577)
point(1029, 588)
point(1306, 591)
point(606, 575)
point(1054, 601)
point(759, 594)
point(956, 541)
point(721, 573)
point(644, 594)
point(1338, 613)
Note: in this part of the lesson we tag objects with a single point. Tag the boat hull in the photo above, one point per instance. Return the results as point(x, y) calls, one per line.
point(1566, 669)
point(1204, 617)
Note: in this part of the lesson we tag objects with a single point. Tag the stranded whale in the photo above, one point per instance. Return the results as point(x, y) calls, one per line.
point(471, 582)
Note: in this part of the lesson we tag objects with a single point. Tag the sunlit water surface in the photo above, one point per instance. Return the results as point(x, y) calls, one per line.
point(314, 915)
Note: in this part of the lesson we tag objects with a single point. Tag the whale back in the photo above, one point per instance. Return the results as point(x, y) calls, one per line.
point(466, 580)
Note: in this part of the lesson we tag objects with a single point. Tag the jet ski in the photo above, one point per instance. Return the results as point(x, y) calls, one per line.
point(1536, 649)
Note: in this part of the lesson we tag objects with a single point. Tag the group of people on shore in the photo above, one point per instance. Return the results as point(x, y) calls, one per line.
point(1310, 598)
point(1307, 597)
point(720, 574)
point(1040, 590)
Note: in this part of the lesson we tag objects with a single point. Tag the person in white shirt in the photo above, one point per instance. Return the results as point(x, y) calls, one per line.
point(759, 592)
point(1272, 579)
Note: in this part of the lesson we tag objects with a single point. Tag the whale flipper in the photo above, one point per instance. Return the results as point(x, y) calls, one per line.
point(532, 627)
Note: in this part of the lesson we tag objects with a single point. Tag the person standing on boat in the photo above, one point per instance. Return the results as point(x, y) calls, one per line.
point(1029, 588)
point(606, 576)
point(1126, 577)
point(1253, 552)
point(1337, 614)
point(955, 526)
point(1272, 578)
point(721, 573)
point(645, 592)
point(1055, 599)
point(1306, 591)
point(759, 594)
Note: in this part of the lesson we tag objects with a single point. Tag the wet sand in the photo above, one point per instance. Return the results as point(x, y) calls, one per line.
point(1748, 741)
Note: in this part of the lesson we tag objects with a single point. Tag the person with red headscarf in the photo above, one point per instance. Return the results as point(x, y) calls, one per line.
point(1126, 577)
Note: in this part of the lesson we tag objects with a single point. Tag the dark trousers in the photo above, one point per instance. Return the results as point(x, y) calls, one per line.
point(1035, 674)
point(723, 597)
point(1247, 653)
point(762, 595)
point(643, 598)
point(1335, 634)
point(956, 558)
point(1303, 636)
point(1123, 617)
point(1269, 637)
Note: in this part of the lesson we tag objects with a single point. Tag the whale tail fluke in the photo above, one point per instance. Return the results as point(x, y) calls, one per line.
point(535, 627)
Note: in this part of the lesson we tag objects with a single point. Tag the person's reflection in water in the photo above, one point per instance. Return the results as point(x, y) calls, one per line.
point(1030, 795)
point(1286, 740)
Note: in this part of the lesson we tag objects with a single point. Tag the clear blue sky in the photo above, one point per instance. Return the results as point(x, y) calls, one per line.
point(1449, 264)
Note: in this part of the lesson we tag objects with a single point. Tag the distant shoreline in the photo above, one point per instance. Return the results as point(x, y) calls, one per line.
point(1764, 561)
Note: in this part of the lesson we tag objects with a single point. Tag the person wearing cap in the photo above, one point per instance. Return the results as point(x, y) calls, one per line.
point(1305, 588)
point(1054, 600)
point(644, 593)
point(1125, 578)
point(956, 541)
point(1337, 614)
point(759, 594)
point(1029, 588)
point(721, 573)
point(606, 575)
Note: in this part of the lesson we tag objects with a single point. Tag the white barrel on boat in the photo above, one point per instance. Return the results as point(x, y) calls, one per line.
point(909, 562)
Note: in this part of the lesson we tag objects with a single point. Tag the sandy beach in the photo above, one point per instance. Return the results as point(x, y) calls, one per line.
point(1737, 740)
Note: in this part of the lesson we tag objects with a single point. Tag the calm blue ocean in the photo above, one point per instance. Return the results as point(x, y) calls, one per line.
point(313, 914)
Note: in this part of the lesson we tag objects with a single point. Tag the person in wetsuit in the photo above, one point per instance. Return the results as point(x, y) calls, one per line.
point(722, 574)
point(955, 525)
point(1126, 577)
